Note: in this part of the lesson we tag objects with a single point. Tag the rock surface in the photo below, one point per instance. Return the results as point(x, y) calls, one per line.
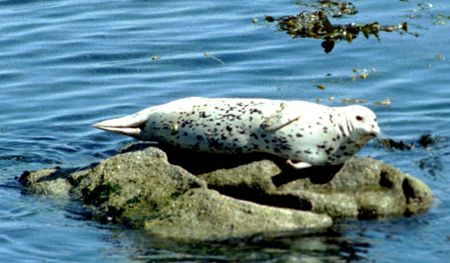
point(362, 188)
point(141, 189)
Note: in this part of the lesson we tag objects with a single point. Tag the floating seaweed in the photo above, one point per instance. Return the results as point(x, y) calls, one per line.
point(353, 101)
point(315, 24)
point(385, 102)
point(321, 86)
point(394, 145)
point(362, 74)
point(424, 141)
point(334, 8)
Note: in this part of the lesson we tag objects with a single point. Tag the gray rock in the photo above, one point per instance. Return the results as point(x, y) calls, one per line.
point(142, 190)
point(206, 214)
point(46, 182)
point(361, 188)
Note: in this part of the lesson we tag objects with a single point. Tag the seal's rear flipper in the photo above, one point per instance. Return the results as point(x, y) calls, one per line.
point(131, 125)
point(299, 165)
point(124, 125)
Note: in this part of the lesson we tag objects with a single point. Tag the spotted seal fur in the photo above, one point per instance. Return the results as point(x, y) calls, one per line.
point(305, 133)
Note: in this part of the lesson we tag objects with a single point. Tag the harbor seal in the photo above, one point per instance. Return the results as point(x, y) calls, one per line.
point(306, 134)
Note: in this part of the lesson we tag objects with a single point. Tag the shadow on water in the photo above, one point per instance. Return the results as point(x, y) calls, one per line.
point(327, 245)
point(345, 241)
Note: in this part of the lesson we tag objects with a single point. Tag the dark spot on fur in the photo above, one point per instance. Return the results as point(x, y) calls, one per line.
point(253, 111)
point(329, 150)
point(285, 147)
point(254, 135)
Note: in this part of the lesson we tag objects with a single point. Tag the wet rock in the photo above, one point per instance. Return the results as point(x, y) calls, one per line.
point(362, 188)
point(142, 190)
point(206, 214)
point(46, 182)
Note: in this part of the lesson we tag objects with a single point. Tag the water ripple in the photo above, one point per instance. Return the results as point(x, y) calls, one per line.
point(66, 64)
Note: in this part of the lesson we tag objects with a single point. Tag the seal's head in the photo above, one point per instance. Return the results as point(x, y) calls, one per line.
point(361, 123)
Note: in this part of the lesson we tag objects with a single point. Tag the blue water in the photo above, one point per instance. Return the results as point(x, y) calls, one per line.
point(66, 64)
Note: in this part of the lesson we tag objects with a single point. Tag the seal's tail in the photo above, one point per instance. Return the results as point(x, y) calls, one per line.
point(131, 125)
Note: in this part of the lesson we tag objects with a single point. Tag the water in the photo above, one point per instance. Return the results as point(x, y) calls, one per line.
point(67, 64)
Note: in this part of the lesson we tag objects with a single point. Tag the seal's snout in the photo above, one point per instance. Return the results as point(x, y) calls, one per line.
point(375, 130)
point(373, 134)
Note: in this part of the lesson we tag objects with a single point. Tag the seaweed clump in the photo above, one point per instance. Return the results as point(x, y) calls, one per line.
point(316, 24)
point(431, 162)
point(424, 141)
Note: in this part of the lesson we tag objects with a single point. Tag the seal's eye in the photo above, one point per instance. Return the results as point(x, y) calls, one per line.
point(359, 118)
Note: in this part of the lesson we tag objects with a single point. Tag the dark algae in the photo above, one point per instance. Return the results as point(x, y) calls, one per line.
point(430, 163)
point(316, 23)
point(424, 141)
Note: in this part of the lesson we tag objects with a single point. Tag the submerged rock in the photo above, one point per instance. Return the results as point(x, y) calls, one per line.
point(141, 189)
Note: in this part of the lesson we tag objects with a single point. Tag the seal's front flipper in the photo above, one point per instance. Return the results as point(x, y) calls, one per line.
point(283, 115)
point(269, 125)
point(298, 165)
